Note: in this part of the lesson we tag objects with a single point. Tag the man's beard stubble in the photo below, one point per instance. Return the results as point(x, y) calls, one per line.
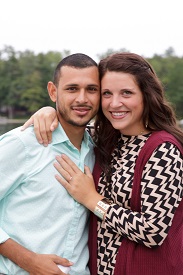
point(67, 119)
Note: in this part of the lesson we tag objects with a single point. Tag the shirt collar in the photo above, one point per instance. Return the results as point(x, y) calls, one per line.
point(59, 136)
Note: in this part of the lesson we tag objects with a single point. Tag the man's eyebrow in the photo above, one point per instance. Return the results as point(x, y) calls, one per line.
point(93, 85)
point(88, 85)
point(71, 84)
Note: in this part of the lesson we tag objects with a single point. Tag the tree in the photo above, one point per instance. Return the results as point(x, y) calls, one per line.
point(109, 52)
point(24, 77)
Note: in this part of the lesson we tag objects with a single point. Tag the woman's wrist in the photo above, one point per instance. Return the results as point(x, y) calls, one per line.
point(92, 201)
point(102, 207)
point(98, 204)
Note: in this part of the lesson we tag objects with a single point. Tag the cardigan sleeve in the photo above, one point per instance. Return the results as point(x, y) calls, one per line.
point(161, 194)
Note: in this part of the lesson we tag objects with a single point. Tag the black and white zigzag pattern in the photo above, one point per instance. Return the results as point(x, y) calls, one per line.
point(162, 191)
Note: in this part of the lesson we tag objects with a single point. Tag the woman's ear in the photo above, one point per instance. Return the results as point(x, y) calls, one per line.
point(52, 91)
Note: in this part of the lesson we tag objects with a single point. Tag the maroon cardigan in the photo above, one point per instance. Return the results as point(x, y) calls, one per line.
point(133, 258)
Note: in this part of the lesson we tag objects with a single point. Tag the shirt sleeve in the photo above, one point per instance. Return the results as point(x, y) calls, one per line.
point(161, 193)
point(12, 170)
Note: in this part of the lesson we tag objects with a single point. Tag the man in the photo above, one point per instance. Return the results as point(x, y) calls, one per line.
point(40, 224)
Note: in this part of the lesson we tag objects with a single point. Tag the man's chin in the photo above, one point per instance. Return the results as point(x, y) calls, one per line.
point(79, 124)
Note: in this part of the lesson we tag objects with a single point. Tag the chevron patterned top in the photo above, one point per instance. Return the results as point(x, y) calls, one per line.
point(161, 193)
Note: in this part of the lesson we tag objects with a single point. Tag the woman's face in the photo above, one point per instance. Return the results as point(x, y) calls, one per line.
point(122, 102)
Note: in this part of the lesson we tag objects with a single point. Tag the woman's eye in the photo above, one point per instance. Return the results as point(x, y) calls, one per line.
point(127, 92)
point(106, 93)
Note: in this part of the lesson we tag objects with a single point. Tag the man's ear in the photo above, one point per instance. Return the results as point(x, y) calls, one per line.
point(52, 91)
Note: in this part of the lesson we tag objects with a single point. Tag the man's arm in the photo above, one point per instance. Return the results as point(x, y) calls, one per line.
point(33, 263)
point(12, 174)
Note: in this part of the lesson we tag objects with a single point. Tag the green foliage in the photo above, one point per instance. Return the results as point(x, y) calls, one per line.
point(169, 69)
point(24, 77)
point(110, 51)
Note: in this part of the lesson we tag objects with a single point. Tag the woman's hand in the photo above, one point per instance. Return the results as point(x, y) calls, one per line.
point(79, 185)
point(45, 121)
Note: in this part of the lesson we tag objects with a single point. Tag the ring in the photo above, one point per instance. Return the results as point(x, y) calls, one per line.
point(70, 179)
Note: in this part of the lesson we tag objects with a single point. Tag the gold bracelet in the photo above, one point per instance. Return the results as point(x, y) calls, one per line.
point(101, 207)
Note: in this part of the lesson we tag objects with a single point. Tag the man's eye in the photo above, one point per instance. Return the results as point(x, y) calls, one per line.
point(92, 89)
point(71, 88)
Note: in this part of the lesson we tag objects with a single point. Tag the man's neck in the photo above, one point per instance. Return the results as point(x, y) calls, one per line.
point(74, 133)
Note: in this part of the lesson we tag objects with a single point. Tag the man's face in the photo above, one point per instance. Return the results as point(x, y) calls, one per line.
point(77, 95)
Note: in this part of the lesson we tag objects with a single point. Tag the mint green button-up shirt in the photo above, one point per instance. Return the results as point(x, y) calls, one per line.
point(35, 210)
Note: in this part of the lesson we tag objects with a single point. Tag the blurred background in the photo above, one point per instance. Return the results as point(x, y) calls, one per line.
point(36, 35)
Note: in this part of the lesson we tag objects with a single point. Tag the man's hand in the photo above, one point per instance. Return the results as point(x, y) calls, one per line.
point(33, 263)
point(47, 265)
point(45, 121)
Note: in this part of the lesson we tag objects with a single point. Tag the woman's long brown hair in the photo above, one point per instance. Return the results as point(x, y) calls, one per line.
point(158, 113)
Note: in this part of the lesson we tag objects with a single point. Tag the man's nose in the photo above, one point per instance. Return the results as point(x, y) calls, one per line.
point(82, 96)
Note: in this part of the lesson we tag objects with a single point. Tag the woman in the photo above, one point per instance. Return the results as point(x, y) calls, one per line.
point(143, 237)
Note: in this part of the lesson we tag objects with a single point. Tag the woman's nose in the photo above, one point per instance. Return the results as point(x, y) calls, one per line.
point(115, 102)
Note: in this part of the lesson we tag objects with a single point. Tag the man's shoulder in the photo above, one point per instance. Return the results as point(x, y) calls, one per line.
point(14, 141)
point(14, 133)
point(27, 136)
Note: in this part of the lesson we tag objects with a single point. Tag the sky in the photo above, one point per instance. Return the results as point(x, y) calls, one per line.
point(146, 27)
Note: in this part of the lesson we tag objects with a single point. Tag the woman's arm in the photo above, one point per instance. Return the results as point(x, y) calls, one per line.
point(161, 194)
point(45, 121)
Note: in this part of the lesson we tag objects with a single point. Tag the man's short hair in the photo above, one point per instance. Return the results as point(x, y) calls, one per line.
point(77, 60)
